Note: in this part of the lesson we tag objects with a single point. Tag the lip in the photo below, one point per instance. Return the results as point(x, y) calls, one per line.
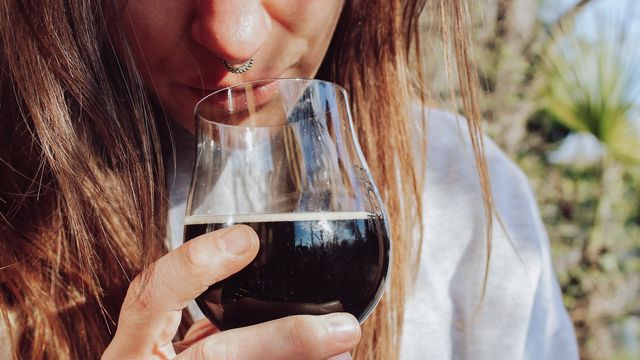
point(199, 88)
point(210, 83)
point(204, 92)
point(236, 96)
point(235, 99)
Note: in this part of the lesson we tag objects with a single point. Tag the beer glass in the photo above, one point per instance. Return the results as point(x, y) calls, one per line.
point(282, 156)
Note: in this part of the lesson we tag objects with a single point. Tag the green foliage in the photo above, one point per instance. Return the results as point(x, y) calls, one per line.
point(598, 271)
point(591, 86)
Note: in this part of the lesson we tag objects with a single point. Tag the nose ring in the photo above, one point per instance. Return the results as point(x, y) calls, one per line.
point(238, 69)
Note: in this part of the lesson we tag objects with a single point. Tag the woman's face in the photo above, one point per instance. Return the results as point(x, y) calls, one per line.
point(179, 45)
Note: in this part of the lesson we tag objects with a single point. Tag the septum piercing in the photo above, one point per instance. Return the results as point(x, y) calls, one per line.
point(238, 69)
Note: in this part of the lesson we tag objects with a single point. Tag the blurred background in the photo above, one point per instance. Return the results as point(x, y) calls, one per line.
point(561, 95)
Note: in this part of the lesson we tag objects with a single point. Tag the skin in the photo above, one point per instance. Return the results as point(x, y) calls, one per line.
point(179, 47)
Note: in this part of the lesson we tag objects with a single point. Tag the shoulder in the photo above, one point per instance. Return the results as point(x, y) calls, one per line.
point(453, 191)
point(521, 286)
point(452, 177)
point(450, 154)
point(453, 203)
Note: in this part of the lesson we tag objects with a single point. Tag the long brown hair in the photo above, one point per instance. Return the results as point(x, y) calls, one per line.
point(82, 193)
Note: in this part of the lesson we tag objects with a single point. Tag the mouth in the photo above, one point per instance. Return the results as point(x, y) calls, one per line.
point(247, 97)
point(239, 103)
point(239, 97)
point(257, 88)
point(206, 84)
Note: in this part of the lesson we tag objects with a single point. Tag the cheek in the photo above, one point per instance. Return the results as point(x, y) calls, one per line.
point(154, 30)
point(305, 16)
point(312, 20)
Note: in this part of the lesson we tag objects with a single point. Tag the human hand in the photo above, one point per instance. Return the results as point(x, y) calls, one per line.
point(151, 312)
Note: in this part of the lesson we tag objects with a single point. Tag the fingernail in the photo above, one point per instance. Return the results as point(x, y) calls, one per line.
point(343, 327)
point(237, 240)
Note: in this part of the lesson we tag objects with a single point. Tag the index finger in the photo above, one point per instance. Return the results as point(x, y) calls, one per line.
point(151, 309)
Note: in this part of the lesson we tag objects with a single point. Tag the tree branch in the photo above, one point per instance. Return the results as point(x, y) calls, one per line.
point(572, 12)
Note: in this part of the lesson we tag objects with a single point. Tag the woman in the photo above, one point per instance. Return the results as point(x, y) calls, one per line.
point(90, 93)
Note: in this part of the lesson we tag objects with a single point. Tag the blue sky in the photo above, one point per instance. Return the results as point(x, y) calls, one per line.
point(598, 10)
point(550, 9)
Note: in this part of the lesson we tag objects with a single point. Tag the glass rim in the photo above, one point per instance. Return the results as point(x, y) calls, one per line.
point(267, 80)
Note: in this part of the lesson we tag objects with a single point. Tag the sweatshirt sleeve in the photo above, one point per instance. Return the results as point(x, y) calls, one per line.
point(550, 334)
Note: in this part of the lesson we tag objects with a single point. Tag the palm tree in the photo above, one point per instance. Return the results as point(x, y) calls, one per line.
point(592, 86)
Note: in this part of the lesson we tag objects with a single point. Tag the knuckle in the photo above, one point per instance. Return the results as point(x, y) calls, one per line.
point(231, 351)
point(141, 308)
point(299, 332)
point(138, 299)
point(200, 351)
point(196, 257)
point(212, 348)
point(169, 322)
point(142, 298)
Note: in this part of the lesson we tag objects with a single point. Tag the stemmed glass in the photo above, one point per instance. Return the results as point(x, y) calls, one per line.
point(282, 156)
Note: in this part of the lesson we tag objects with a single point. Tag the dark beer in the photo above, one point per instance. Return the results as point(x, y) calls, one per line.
point(308, 263)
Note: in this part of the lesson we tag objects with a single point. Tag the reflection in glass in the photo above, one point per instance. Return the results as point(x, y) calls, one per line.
point(281, 156)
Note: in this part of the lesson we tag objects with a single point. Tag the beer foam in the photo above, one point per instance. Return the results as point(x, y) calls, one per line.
point(277, 217)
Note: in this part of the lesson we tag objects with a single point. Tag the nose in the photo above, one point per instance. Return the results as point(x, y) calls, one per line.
point(233, 30)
